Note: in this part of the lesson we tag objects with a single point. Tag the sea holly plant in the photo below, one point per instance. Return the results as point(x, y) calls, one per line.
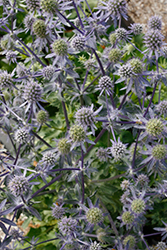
point(83, 156)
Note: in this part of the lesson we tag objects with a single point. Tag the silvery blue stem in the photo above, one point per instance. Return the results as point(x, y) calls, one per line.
point(82, 176)
point(78, 14)
point(99, 62)
point(47, 185)
point(68, 21)
point(151, 99)
point(17, 155)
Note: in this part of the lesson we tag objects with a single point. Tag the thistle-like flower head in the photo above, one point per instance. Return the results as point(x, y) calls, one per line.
point(94, 215)
point(5, 79)
point(85, 116)
point(11, 56)
point(77, 133)
point(21, 135)
point(118, 150)
point(117, 8)
point(42, 116)
point(127, 218)
point(137, 65)
point(16, 234)
point(121, 34)
point(105, 84)
point(95, 246)
point(159, 152)
point(78, 43)
point(32, 92)
point(49, 158)
point(57, 211)
point(103, 154)
point(63, 146)
point(32, 5)
point(138, 206)
point(112, 38)
point(131, 240)
point(60, 47)
point(39, 28)
point(114, 55)
point(142, 180)
point(154, 127)
point(48, 71)
point(162, 108)
point(126, 71)
point(49, 6)
point(67, 225)
point(136, 28)
point(153, 40)
point(18, 185)
point(125, 184)
point(155, 23)
point(28, 22)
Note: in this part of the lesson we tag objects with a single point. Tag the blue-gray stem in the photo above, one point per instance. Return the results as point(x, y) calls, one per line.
point(82, 176)
point(68, 21)
point(151, 99)
point(99, 62)
point(47, 185)
point(17, 155)
point(78, 14)
point(36, 135)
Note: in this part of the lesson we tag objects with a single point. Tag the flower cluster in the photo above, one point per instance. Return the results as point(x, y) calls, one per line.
point(83, 126)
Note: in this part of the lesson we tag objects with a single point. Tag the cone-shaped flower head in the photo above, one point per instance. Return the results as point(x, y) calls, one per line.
point(78, 43)
point(67, 225)
point(21, 135)
point(60, 47)
point(57, 211)
point(28, 21)
point(77, 133)
point(49, 158)
point(153, 40)
point(5, 79)
point(118, 150)
point(64, 146)
point(155, 23)
point(121, 34)
point(126, 70)
point(162, 108)
point(49, 6)
point(95, 246)
point(94, 215)
point(105, 84)
point(117, 8)
point(112, 38)
point(18, 185)
point(127, 218)
point(114, 55)
point(137, 65)
point(48, 71)
point(42, 116)
point(154, 127)
point(131, 240)
point(138, 206)
point(32, 92)
point(159, 152)
point(136, 28)
point(32, 5)
point(39, 28)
